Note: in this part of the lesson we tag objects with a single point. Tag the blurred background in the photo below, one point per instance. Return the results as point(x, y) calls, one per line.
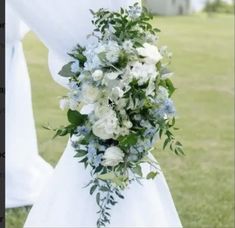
point(201, 36)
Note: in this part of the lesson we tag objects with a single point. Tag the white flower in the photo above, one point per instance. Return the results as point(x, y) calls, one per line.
point(151, 38)
point(73, 104)
point(76, 138)
point(105, 127)
point(127, 123)
point(89, 93)
point(112, 156)
point(101, 111)
point(117, 92)
point(112, 51)
point(143, 72)
point(150, 52)
point(127, 45)
point(97, 75)
point(64, 103)
point(121, 103)
point(112, 75)
point(112, 56)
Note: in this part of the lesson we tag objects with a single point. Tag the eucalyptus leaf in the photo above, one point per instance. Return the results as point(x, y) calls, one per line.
point(66, 70)
point(151, 175)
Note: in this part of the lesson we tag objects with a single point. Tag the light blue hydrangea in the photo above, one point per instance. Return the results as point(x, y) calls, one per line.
point(91, 152)
point(150, 132)
point(83, 130)
point(75, 67)
point(167, 109)
point(97, 160)
point(73, 85)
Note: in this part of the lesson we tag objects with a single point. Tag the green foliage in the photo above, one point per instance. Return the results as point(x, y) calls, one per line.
point(219, 6)
point(76, 118)
point(124, 28)
point(66, 70)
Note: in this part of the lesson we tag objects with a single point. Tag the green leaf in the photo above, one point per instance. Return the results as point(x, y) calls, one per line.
point(152, 175)
point(138, 170)
point(66, 70)
point(76, 117)
point(107, 176)
point(170, 86)
point(178, 143)
point(98, 198)
point(104, 189)
point(166, 143)
point(61, 132)
point(93, 188)
point(180, 150)
point(80, 153)
point(118, 180)
point(129, 140)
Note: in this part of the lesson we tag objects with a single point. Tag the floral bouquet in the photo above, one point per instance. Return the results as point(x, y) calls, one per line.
point(122, 76)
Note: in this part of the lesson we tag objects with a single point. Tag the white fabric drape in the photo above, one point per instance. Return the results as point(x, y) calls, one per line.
point(61, 24)
point(66, 203)
point(26, 171)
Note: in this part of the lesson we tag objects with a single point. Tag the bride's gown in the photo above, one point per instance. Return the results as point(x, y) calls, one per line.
point(65, 202)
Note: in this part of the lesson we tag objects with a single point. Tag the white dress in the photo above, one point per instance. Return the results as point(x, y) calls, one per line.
point(26, 171)
point(65, 202)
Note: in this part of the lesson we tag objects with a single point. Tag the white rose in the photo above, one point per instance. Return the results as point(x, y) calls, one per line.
point(97, 75)
point(64, 103)
point(117, 92)
point(112, 156)
point(150, 52)
point(89, 93)
point(105, 127)
point(101, 111)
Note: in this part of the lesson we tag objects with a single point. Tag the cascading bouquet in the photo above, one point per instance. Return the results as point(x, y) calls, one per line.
point(123, 77)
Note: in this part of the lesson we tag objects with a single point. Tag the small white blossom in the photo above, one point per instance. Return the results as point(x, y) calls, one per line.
point(97, 75)
point(112, 75)
point(64, 103)
point(127, 124)
point(117, 92)
point(89, 94)
point(127, 45)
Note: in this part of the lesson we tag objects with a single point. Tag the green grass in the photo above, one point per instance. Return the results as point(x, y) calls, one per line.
point(202, 182)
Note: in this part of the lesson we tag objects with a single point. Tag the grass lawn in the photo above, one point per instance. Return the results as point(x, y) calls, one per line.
point(202, 182)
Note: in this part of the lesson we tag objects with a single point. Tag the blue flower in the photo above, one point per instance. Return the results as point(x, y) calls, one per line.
point(75, 67)
point(134, 11)
point(169, 107)
point(83, 130)
point(97, 160)
point(150, 132)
